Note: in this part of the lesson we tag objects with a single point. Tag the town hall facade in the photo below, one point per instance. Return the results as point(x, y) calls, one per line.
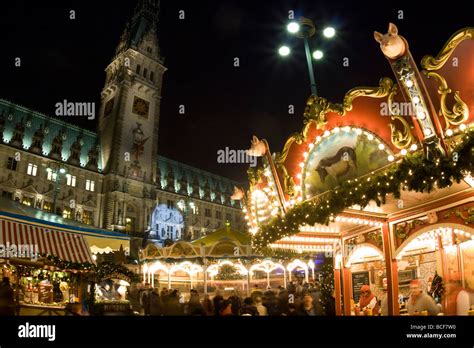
point(114, 178)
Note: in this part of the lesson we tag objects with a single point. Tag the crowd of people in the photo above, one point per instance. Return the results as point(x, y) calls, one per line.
point(298, 299)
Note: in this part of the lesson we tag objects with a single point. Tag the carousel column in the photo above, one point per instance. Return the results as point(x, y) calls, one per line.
point(391, 271)
point(337, 288)
point(337, 262)
point(337, 279)
point(205, 275)
point(144, 270)
point(249, 275)
point(444, 267)
point(347, 285)
point(169, 278)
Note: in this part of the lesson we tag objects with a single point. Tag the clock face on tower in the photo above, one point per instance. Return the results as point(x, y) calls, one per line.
point(140, 106)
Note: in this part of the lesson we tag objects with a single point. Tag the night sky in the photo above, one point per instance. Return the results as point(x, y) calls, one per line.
point(225, 105)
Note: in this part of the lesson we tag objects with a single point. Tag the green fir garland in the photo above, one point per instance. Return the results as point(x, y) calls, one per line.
point(99, 271)
point(413, 173)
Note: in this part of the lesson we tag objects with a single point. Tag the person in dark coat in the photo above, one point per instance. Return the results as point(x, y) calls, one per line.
point(156, 305)
point(236, 303)
point(292, 312)
point(194, 306)
point(283, 301)
point(172, 306)
point(208, 305)
point(315, 293)
point(270, 301)
point(330, 304)
point(7, 300)
point(307, 308)
point(291, 288)
point(145, 299)
point(249, 308)
point(218, 302)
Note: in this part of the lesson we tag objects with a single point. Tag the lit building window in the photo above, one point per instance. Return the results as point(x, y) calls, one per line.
point(52, 176)
point(27, 201)
point(129, 224)
point(67, 213)
point(90, 185)
point(71, 180)
point(87, 217)
point(47, 206)
point(194, 208)
point(32, 169)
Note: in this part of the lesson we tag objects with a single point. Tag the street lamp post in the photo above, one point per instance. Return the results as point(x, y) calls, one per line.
point(56, 170)
point(304, 29)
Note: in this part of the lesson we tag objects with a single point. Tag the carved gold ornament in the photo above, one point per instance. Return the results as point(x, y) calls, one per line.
point(460, 213)
point(317, 108)
point(431, 63)
point(400, 138)
point(460, 110)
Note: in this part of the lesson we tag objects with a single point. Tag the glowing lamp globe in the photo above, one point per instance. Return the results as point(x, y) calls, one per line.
point(284, 51)
point(329, 32)
point(293, 27)
point(318, 54)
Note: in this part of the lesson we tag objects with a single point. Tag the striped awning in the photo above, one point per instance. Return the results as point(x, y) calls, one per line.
point(67, 246)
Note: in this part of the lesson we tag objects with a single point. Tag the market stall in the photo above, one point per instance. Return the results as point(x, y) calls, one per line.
point(45, 265)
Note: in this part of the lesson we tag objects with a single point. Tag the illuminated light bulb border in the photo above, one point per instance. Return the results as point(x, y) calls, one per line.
point(302, 248)
point(406, 176)
point(320, 229)
point(309, 239)
point(431, 237)
point(358, 221)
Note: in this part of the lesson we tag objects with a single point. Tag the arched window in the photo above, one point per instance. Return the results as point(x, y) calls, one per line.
point(145, 72)
point(138, 69)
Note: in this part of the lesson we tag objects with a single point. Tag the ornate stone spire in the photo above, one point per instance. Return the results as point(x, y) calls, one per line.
point(141, 26)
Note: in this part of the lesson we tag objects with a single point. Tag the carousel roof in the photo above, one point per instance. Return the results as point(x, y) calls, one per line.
point(223, 243)
point(224, 234)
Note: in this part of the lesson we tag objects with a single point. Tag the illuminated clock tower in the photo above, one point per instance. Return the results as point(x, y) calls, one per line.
point(130, 108)
point(129, 116)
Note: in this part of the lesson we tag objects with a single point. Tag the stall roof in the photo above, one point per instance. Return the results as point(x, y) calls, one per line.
point(99, 240)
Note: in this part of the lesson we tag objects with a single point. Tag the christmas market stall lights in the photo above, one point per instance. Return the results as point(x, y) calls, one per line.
point(53, 267)
point(222, 260)
point(389, 199)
